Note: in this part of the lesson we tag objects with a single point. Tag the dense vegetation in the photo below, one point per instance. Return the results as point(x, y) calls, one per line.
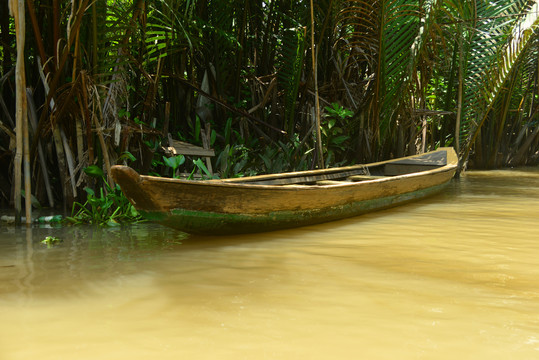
point(110, 81)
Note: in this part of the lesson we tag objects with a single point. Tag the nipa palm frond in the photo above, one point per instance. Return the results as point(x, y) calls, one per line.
point(389, 37)
point(500, 40)
point(291, 55)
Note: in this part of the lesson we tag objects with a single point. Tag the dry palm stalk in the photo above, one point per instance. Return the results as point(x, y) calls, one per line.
point(32, 116)
point(104, 148)
point(67, 192)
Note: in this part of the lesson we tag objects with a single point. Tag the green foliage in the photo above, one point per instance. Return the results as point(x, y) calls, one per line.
point(501, 37)
point(126, 156)
point(389, 36)
point(109, 207)
point(285, 157)
point(334, 135)
point(292, 63)
point(248, 160)
point(174, 162)
point(205, 173)
point(51, 241)
point(228, 131)
point(234, 161)
point(94, 171)
point(195, 131)
point(198, 165)
point(390, 61)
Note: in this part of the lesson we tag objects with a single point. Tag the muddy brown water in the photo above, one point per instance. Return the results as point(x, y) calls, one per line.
point(453, 276)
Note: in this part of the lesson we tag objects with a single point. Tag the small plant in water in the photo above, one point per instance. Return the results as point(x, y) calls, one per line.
point(51, 241)
point(108, 207)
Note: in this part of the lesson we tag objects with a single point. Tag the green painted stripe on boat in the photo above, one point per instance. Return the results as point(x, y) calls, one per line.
point(203, 222)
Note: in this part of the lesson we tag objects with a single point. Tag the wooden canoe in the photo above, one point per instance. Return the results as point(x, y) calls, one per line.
point(280, 201)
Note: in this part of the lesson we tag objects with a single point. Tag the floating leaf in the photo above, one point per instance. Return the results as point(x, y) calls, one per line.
point(51, 240)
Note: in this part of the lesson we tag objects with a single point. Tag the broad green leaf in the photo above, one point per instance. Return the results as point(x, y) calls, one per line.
point(94, 171)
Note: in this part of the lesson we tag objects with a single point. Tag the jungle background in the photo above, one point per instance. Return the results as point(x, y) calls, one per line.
point(271, 86)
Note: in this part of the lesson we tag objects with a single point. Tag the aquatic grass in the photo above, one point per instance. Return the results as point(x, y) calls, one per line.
point(108, 208)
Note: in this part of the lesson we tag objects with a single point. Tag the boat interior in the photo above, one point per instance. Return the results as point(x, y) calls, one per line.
point(352, 174)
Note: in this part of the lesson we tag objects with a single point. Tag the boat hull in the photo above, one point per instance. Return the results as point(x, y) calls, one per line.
point(235, 206)
point(211, 223)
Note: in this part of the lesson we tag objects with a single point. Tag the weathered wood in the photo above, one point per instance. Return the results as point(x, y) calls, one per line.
point(302, 176)
point(298, 179)
point(399, 169)
point(364, 177)
point(180, 147)
point(167, 120)
point(206, 135)
point(333, 182)
point(262, 203)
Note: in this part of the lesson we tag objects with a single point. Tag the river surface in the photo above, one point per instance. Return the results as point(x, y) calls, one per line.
point(455, 276)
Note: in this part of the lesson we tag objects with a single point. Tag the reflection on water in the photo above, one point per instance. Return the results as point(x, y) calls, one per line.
point(452, 276)
point(86, 255)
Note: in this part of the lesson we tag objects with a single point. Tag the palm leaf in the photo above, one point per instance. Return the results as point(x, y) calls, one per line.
point(388, 38)
point(168, 30)
point(496, 55)
point(291, 55)
point(401, 25)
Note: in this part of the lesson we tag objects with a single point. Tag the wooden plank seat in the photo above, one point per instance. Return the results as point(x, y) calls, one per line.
point(177, 147)
point(333, 182)
point(180, 147)
point(364, 177)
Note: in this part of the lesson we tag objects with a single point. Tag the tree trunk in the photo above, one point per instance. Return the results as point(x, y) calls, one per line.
point(317, 100)
point(18, 12)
